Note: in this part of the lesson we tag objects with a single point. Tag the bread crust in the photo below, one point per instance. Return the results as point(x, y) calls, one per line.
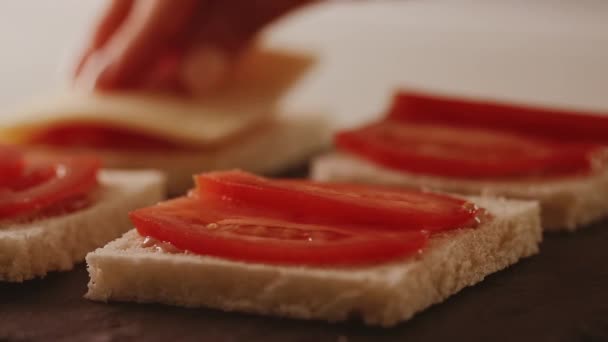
point(567, 203)
point(384, 295)
point(32, 250)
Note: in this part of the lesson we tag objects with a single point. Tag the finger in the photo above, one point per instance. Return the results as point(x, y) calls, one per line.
point(146, 33)
point(220, 37)
point(114, 16)
point(212, 49)
point(164, 75)
point(232, 28)
point(204, 69)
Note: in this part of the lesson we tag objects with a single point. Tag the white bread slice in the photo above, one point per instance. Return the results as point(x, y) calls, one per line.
point(33, 249)
point(382, 295)
point(275, 147)
point(567, 203)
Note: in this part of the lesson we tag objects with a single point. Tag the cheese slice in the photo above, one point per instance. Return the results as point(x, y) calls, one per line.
point(261, 78)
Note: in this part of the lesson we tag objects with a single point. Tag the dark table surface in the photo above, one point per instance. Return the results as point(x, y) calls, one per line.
point(558, 295)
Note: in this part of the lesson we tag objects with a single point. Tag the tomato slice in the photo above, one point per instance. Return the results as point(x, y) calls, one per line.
point(240, 216)
point(463, 151)
point(93, 135)
point(12, 164)
point(199, 226)
point(560, 125)
point(334, 204)
point(44, 184)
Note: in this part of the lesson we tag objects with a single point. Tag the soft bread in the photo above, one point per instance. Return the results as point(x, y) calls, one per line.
point(55, 244)
point(567, 203)
point(250, 97)
point(269, 149)
point(383, 295)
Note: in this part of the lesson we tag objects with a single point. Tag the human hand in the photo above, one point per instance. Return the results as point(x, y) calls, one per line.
point(171, 44)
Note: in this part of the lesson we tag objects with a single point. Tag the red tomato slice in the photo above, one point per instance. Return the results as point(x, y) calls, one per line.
point(463, 152)
point(311, 202)
point(99, 136)
point(44, 184)
point(12, 164)
point(190, 224)
point(556, 124)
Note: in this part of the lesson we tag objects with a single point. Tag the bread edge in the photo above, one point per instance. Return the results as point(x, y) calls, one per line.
point(381, 295)
point(32, 250)
point(277, 146)
point(567, 203)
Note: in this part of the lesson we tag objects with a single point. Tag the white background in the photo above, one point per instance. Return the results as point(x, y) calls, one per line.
point(545, 52)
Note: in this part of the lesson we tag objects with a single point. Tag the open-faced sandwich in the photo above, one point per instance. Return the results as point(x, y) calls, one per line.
point(231, 127)
point(482, 148)
point(308, 250)
point(53, 211)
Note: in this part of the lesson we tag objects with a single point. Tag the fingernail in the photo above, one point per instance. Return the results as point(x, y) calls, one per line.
point(204, 69)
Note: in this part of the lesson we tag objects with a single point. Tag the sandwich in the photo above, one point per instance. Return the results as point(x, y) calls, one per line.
point(308, 250)
point(53, 211)
point(175, 133)
point(483, 148)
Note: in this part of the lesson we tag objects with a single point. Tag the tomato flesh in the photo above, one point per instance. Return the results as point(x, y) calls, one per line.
point(559, 125)
point(464, 152)
point(308, 201)
point(99, 136)
point(188, 224)
point(48, 187)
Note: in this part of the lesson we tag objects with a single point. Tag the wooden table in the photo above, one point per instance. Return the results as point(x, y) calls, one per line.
point(558, 295)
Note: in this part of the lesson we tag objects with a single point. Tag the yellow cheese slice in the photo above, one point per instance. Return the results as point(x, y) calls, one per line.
point(248, 98)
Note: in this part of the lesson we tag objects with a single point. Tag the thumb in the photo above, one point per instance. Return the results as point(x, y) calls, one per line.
point(205, 69)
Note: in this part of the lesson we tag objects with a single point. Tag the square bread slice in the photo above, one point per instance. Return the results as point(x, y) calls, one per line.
point(274, 147)
point(567, 203)
point(29, 250)
point(126, 270)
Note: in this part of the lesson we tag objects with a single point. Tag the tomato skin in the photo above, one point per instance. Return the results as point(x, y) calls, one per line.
point(188, 224)
point(312, 202)
point(239, 216)
point(46, 184)
point(92, 135)
point(464, 152)
point(12, 164)
point(555, 124)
